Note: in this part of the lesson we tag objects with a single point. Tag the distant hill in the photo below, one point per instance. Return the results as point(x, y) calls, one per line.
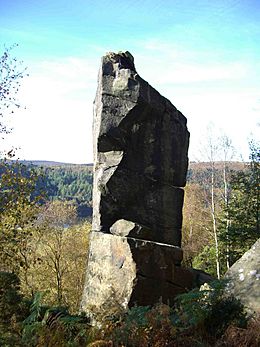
point(197, 166)
point(65, 181)
point(68, 181)
point(200, 172)
point(234, 165)
point(49, 163)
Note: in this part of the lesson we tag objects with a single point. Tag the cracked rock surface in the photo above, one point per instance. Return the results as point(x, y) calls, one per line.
point(140, 165)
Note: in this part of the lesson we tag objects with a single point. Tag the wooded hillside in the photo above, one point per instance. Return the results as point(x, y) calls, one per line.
point(65, 182)
point(72, 182)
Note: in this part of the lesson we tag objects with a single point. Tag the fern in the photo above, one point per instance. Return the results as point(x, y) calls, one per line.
point(35, 309)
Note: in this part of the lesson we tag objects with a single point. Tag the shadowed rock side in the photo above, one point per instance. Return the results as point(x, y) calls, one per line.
point(140, 164)
point(140, 144)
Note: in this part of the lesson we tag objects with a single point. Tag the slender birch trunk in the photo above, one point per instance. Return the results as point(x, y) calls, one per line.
point(226, 214)
point(213, 214)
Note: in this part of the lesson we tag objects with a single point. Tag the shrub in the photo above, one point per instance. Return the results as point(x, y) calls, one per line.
point(13, 309)
point(209, 310)
point(10, 299)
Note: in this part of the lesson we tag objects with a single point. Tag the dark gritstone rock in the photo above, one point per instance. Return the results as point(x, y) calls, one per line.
point(140, 162)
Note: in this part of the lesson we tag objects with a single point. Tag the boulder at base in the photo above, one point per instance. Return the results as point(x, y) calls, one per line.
point(244, 278)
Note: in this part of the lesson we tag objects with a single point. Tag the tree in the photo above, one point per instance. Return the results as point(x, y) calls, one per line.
point(243, 208)
point(196, 230)
point(18, 209)
point(55, 218)
point(211, 150)
point(228, 151)
point(18, 204)
point(56, 256)
point(218, 153)
point(11, 74)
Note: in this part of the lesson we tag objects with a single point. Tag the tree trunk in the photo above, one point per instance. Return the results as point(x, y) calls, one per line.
point(226, 214)
point(213, 214)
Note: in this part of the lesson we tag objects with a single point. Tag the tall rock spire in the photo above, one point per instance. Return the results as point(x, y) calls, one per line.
point(140, 165)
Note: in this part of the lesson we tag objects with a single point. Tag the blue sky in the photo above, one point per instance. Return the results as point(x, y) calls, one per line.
point(202, 55)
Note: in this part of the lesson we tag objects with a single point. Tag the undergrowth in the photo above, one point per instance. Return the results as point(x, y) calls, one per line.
point(201, 318)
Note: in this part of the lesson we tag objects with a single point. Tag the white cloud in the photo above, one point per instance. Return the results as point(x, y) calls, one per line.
point(206, 87)
point(59, 94)
point(231, 112)
point(168, 63)
point(56, 124)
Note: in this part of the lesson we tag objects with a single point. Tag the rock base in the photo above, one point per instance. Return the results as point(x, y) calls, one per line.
point(123, 271)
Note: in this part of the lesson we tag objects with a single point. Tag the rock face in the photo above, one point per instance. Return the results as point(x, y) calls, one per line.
point(140, 164)
point(244, 278)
